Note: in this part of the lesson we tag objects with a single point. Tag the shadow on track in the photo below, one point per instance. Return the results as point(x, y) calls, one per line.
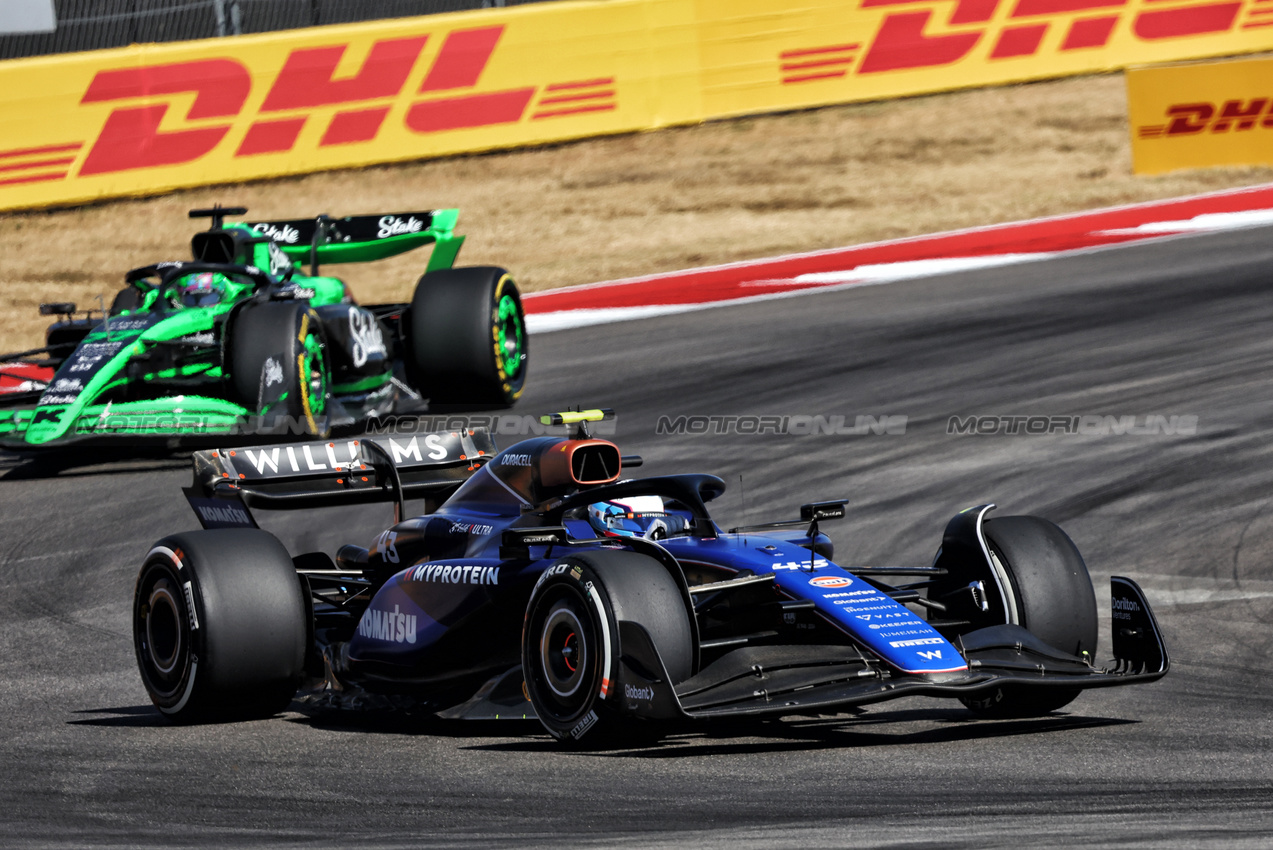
point(125, 716)
point(773, 736)
point(78, 462)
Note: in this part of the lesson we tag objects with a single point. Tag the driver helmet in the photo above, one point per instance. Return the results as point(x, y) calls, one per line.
point(200, 290)
point(636, 516)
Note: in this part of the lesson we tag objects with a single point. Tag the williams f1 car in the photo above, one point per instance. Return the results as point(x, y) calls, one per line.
point(239, 340)
point(541, 583)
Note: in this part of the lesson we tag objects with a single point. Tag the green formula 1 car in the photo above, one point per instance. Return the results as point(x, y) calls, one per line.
point(240, 341)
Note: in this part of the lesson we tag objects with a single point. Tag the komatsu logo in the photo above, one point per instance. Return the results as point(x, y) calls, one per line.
point(456, 574)
point(224, 516)
point(391, 626)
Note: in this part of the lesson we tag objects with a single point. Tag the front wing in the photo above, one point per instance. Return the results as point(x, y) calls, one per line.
point(781, 680)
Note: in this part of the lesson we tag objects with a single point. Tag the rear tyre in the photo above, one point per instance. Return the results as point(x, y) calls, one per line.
point(275, 360)
point(219, 625)
point(570, 641)
point(466, 338)
point(1053, 598)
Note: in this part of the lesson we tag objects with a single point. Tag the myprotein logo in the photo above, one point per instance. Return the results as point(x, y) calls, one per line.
point(1191, 119)
point(311, 83)
point(936, 34)
point(456, 573)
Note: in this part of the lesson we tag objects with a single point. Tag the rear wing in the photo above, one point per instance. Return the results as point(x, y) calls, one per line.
point(364, 238)
point(229, 482)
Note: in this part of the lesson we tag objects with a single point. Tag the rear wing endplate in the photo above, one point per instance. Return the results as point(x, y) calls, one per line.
point(365, 238)
point(229, 482)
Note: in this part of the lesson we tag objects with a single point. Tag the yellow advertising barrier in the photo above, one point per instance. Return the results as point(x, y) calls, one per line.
point(151, 118)
point(1200, 115)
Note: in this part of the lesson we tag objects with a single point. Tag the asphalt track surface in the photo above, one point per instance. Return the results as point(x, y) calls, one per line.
point(1179, 327)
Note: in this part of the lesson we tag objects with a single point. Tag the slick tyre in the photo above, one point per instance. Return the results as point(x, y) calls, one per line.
point(219, 625)
point(1053, 598)
point(276, 364)
point(466, 338)
point(571, 647)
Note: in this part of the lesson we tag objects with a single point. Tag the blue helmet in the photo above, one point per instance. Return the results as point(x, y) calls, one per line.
point(636, 516)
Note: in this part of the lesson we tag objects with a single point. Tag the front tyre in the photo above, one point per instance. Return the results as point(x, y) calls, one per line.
point(276, 362)
point(1053, 598)
point(570, 640)
point(219, 625)
point(466, 338)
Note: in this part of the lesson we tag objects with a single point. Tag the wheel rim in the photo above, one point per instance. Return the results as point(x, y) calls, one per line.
point(161, 633)
point(563, 652)
point(163, 629)
point(510, 337)
point(564, 667)
point(313, 367)
point(311, 375)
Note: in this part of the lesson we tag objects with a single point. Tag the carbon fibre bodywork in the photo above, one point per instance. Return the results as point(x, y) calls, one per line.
point(432, 613)
point(178, 357)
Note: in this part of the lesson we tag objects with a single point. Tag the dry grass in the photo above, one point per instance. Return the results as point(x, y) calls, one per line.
point(631, 205)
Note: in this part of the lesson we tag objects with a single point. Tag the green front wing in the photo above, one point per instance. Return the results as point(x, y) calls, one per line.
point(176, 416)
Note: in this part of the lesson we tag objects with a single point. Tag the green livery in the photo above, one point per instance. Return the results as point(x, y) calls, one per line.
point(240, 340)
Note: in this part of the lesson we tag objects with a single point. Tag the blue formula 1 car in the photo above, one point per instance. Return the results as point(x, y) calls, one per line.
point(541, 583)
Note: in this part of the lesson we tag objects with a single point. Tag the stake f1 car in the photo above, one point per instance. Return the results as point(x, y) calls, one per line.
point(240, 340)
point(543, 584)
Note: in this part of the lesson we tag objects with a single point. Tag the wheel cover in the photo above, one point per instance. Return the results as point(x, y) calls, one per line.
point(311, 375)
point(162, 635)
point(510, 337)
point(563, 663)
point(163, 629)
point(563, 652)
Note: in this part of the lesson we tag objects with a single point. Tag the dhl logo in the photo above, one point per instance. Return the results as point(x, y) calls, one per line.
point(909, 39)
point(132, 137)
point(1190, 119)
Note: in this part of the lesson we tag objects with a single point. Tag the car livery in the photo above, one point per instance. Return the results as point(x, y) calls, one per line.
point(540, 582)
point(241, 341)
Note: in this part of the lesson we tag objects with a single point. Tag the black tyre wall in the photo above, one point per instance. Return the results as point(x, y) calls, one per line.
point(631, 587)
point(241, 652)
point(1053, 597)
point(1054, 592)
point(275, 330)
point(451, 355)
